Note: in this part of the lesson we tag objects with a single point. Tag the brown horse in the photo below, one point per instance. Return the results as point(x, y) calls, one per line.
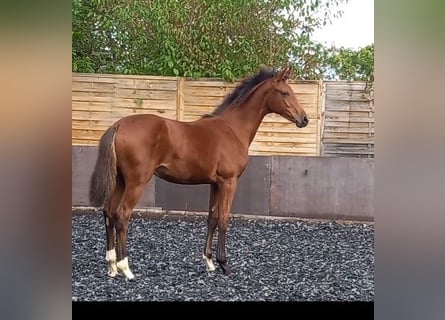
point(211, 150)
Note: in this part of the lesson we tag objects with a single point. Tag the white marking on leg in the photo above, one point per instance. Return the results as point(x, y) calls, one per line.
point(123, 266)
point(111, 259)
point(209, 263)
point(111, 255)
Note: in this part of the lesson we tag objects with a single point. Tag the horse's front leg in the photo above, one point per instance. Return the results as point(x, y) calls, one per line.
point(226, 193)
point(212, 222)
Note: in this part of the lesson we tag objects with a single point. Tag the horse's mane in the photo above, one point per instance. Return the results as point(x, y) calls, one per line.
point(241, 92)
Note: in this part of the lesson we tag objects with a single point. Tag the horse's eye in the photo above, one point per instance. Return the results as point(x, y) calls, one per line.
point(285, 93)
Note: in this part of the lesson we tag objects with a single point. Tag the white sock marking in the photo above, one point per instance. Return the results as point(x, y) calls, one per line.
point(123, 266)
point(209, 263)
point(111, 259)
point(111, 255)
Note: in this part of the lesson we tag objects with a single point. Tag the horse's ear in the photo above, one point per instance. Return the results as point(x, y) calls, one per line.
point(289, 72)
point(284, 74)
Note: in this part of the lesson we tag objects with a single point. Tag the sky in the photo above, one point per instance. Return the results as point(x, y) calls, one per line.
point(355, 29)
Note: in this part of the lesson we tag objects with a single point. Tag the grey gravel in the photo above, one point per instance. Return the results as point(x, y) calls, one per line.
point(272, 261)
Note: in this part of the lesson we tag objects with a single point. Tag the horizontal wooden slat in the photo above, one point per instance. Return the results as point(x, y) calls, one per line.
point(90, 97)
point(84, 88)
point(148, 84)
point(330, 129)
point(350, 119)
point(99, 76)
point(281, 153)
point(369, 140)
point(147, 94)
point(96, 78)
point(284, 140)
point(198, 101)
point(208, 83)
point(349, 113)
point(277, 149)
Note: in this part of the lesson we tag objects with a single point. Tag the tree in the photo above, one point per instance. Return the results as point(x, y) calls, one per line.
point(348, 64)
point(201, 38)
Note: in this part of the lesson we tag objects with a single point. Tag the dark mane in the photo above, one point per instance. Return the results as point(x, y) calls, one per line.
point(239, 94)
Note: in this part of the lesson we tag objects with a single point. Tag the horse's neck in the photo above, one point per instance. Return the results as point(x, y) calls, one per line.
point(246, 119)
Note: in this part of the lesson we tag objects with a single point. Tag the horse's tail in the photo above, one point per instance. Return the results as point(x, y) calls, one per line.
point(103, 179)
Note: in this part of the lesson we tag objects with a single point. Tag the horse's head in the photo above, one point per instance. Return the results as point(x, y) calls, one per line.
point(281, 99)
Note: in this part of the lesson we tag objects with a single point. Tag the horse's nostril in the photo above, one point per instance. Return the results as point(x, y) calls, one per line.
point(306, 120)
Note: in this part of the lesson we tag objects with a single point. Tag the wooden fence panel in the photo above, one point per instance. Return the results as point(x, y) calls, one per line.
point(98, 100)
point(348, 120)
point(201, 97)
point(341, 114)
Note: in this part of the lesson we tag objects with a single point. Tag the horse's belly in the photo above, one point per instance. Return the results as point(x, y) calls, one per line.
point(184, 175)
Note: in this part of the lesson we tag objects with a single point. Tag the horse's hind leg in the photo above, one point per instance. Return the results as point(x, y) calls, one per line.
point(110, 256)
point(132, 195)
point(109, 216)
point(212, 222)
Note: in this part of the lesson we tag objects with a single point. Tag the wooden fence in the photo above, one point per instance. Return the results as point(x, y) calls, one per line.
point(336, 122)
point(348, 119)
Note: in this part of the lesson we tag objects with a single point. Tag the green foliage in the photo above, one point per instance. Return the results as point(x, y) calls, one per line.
point(199, 38)
point(351, 64)
point(319, 62)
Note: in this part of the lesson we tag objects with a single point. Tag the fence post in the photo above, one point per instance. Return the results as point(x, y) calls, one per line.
point(320, 115)
point(180, 99)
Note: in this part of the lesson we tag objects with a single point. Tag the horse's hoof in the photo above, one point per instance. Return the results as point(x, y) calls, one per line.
point(226, 269)
point(112, 274)
point(210, 269)
point(122, 266)
point(112, 270)
point(128, 275)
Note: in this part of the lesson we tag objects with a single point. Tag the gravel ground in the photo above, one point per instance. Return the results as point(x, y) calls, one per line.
point(272, 260)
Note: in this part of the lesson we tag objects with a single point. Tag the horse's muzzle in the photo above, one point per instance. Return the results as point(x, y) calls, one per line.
point(302, 123)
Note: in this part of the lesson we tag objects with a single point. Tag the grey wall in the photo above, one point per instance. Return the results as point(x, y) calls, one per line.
point(83, 161)
point(322, 187)
point(309, 187)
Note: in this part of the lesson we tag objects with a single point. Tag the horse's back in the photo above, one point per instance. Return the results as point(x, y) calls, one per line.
point(140, 125)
